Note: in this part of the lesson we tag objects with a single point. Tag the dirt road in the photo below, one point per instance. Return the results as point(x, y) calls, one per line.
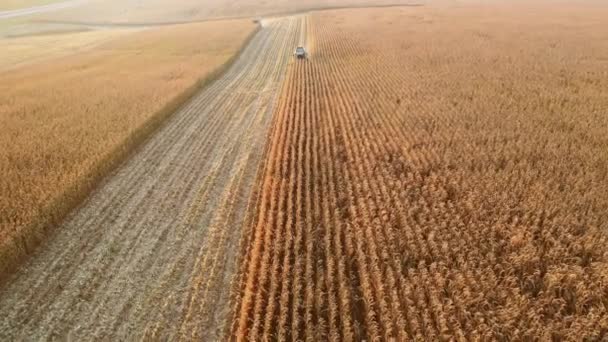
point(152, 252)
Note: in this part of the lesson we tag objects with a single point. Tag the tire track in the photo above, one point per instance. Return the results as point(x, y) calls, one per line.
point(151, 253)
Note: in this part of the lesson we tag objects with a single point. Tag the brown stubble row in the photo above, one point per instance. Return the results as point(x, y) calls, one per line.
point(422, 191)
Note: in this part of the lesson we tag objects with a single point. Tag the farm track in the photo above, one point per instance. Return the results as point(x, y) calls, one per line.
point(152, 252)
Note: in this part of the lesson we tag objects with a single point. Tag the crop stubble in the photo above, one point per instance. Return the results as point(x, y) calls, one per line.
point(427, 180)
point(152, 253)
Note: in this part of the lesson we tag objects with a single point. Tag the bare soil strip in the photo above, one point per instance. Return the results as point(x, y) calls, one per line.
point(152, 253)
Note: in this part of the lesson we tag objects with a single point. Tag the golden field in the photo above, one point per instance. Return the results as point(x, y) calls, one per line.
point(67, 121)
point(21, 51)
point(429, 173)
point(436, 174)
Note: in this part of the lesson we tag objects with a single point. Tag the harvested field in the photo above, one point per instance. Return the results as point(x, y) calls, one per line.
point(441, 176)
point(152, 252)
point(67, 121)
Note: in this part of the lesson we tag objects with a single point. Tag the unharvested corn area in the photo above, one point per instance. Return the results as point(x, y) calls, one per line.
point(436, 173)
point(65, 122)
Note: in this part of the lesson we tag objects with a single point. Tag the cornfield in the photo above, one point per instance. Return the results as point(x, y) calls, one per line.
point(429, 173)
point(68, 121)
point(437, 177)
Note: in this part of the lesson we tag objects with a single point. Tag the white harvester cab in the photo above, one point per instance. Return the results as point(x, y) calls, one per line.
point(300, 53)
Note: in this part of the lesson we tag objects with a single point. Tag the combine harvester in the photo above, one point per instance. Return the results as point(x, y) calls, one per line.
point(300, 53)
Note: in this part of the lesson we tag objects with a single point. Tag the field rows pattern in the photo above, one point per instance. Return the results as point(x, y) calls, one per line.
point(427, 179)
point(385, 213)
point(152, 253)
